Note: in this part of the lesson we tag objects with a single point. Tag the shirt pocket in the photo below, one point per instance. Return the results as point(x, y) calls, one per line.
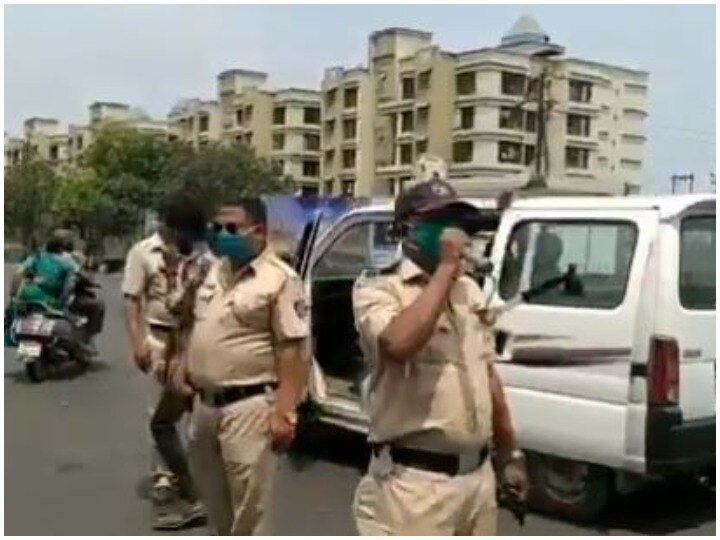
point(251, 309)
point(204, 296)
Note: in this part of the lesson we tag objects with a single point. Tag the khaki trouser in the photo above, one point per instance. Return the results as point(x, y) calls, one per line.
point(233, 464)
point(415, 502)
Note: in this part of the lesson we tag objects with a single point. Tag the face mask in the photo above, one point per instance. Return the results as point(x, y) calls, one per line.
point(235, 247)
point(425, 235)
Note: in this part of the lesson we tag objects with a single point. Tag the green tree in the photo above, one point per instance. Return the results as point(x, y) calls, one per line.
point(29, 192)
point(218, 172)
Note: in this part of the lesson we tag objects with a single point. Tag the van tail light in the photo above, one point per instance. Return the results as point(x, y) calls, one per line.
point(663, 372)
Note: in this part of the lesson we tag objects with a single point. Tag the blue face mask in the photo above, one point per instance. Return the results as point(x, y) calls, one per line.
point(235, 247)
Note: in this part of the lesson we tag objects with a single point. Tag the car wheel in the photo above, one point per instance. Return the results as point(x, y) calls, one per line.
point(571, 489)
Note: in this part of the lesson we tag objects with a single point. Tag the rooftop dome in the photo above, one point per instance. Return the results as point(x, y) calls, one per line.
point(527, 35)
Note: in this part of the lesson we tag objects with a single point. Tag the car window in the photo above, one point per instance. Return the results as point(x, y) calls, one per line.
point(697, 262)
point(589, 262)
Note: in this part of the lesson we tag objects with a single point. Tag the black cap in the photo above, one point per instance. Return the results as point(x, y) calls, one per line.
point(431, 197)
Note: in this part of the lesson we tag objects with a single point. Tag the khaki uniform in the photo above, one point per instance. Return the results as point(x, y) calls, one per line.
point(439, 401)
point(232, 344)
point(148, 277)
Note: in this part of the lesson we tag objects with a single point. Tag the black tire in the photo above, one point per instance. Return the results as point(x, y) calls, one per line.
point(573, 490)
point(35, 371)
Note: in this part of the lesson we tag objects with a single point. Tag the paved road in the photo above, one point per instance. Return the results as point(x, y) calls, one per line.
point(75, 455)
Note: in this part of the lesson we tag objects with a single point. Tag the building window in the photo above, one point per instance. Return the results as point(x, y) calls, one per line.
point(467, 117)
point(603, 135)
point(279, 116)
point(511, 118)
point(248, 113)
point(191, 124)
point(578, 125)
point(350, 98)
point(239, 139)
point(580, 91)
point(513, 84)
point(577, 158)
point(406, 122)
point(406, 153)
point(79, 142)
point(392, 187)
point(421, 148)
point(329, 128)
point(348, 158)
point(349, 128)
point(403, 182)
point(465, 83)
point(54, 152)
point(239, 117)
point(330, 98)
point(329, 158)
point(278, 141)
point(311, 168)
point(463, 151)
point(204, 122)
point(348, 188)
point(408, 87)
point(510, 152)
point(312, 142)
point(172, 138)
point(279, 165)
point(424, 80)
point(529, 154)
point(309, 191)
point(328, 187)
point(423, 116)
point(530, 121)
point(311, 115)
point(249, 138)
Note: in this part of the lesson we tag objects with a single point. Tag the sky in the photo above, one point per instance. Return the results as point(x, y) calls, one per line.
point(59, 59)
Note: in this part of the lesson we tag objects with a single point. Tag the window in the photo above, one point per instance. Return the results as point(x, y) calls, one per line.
point(467, 117)
point(406, 121)
point(577, 158)
point(249, 138)
point(697, 262)
point(329, 128)
point(392, 186)
point(204, 122)
point(465, 83)
point(311, 168)
point(421, 147)
point(312, 142)
point(530, 121)
point(248, 113)
point(54, 152)
point(279, 116)
point(408, 87)
point(348, 158)
point(328, 187)
point(529, 154)
point(580, 91)
point(511, 118)
point(79, 142)
point(510, 152)
point(239, 117)
point(329, 158)
point(350, 98)
point(403, 182)
point(278, 141)
point(172, 138)
point(279, 165)
point(311, 115)
point(513, 84)
point(349, 128)
point(593, 257)
point(603, 135)
point(578, 125)
point(463, 151)
point(330, 98)
point(406, 153)
point(348, 188)
point(424, 80)
point(309, 190)
point(191, 123)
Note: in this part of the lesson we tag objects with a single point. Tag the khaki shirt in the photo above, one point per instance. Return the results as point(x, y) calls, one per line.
point(439, 399)
point(148, 277)
point(236, 327)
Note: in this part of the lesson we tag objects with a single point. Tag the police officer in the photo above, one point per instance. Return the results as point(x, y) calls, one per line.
point(247, 361)
point(436, 401)
point(151, 276)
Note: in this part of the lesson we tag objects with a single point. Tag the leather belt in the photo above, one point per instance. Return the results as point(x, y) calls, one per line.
point(450, 464)
point(231, 394)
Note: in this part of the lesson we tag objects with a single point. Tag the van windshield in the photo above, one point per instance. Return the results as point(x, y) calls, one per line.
point(697, 263)
point(597, 254)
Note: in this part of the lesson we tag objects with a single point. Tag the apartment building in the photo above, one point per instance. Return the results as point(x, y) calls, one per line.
point(283, 126)
point(195, 121)
point(478, 110)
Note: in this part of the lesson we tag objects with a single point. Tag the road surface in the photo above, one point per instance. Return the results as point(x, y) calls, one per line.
point(76, 456)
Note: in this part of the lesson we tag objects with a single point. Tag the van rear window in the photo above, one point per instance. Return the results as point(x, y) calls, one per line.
point(583, 264)
point(697, 263)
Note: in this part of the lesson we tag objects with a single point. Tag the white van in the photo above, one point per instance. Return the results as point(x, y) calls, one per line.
point(610, 375)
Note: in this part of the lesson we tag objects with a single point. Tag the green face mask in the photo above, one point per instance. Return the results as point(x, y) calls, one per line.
point(425, 235)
